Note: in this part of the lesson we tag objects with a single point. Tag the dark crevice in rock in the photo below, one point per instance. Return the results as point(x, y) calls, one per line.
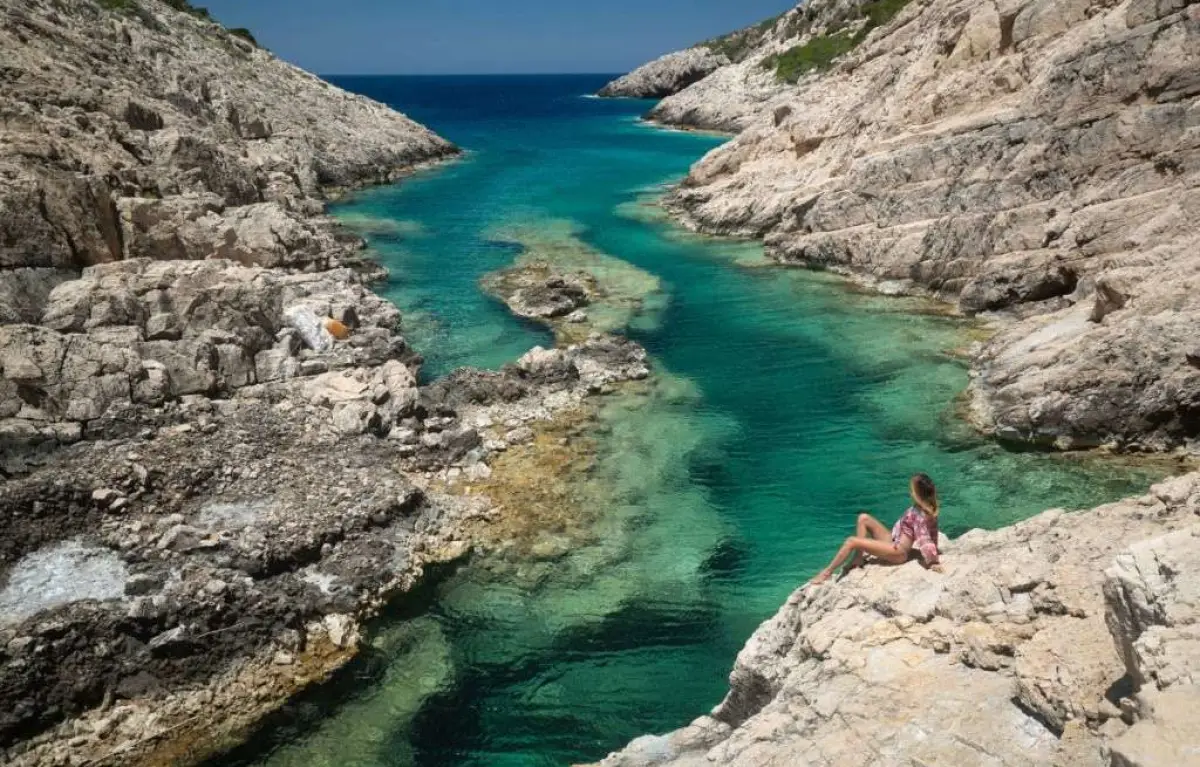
point(749, 693)
point(1037, 716)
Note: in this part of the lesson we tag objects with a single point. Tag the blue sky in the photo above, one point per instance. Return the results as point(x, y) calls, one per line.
point(483, 36)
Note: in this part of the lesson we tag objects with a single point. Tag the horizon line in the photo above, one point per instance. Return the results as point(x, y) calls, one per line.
point(471, 74)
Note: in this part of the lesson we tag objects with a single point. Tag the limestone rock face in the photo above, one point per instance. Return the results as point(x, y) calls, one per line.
point(1003, 659)
point(159, 179)
point(728, 100)
point(733, 96)
point(144, 333)
point(1153, 598)
point(152, 132)
point(1033, 161)
point(666, 75)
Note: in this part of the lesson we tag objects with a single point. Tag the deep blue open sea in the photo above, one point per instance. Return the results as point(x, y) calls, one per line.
point(785, 403)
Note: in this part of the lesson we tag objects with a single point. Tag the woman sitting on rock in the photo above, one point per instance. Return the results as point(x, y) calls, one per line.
point(918, 527)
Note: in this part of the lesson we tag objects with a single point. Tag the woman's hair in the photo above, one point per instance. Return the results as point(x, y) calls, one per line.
point(925, 494)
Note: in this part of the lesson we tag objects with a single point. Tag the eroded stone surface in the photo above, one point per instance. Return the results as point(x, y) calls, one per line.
point(58, 575)
point(271, 521)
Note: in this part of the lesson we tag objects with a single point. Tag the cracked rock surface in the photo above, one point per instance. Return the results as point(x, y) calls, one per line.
point(152, 132)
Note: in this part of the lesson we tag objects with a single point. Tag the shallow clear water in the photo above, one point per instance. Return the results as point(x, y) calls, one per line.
point(785, 403)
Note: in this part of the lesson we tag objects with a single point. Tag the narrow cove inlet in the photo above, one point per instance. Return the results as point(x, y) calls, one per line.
point(783, 402)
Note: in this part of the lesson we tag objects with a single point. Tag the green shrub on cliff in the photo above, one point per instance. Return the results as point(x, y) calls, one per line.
point(133, 7)
point(245, 34)
point(881, 12)
point(737, 45)
point(814, 56)
point(819, 53)
point(186, 7)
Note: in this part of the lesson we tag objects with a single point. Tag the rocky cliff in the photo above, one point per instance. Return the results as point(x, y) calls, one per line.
point(675, 72)
point(1035, 161)
point(134, 129)
point(215, 460)
point(1068, 639)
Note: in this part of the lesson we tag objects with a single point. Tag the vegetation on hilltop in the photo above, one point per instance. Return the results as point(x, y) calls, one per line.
point(133, 7)
point(186, 7)
point(245, 34)
point(820, 51)
point(736, 46)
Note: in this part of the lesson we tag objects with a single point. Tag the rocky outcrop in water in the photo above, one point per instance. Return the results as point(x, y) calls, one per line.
point(1034, 160)
point(228, 544)
point(666, 75)
point(1068, 639)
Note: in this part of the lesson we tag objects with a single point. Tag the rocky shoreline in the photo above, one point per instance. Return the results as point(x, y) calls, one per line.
point(216, 458)
point(230, 569)
point(667, 75)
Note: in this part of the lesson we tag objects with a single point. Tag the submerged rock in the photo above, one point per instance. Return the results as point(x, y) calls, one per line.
point(557, 275)
point(549, 299)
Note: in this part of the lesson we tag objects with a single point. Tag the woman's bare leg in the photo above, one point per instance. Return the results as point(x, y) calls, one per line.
point(867, 527)
point(886, 551)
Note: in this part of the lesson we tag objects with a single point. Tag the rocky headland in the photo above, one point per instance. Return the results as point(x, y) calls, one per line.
point(667, 75)
point(1035, 164)
point(217, 462)
point(675, 72)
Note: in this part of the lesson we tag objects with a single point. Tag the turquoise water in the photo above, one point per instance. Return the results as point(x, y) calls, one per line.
point(785, 402)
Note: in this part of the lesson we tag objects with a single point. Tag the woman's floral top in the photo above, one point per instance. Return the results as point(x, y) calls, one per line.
point(922, 530)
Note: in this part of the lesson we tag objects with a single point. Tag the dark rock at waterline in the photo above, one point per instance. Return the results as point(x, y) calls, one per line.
point(245, 526)
point(555, 297)
point(1000, 290)
point(468, 386)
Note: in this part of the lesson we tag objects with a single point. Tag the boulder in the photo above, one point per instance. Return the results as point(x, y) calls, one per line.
point(1152, 594)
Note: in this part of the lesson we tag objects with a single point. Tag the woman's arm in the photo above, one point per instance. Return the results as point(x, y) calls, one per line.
point(926, 542)
point(929, 552)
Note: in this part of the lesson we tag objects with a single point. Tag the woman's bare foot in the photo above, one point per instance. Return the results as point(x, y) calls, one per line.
point(821, 577)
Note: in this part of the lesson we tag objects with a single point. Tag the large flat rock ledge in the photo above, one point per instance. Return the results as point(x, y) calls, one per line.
point(1068, 639)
